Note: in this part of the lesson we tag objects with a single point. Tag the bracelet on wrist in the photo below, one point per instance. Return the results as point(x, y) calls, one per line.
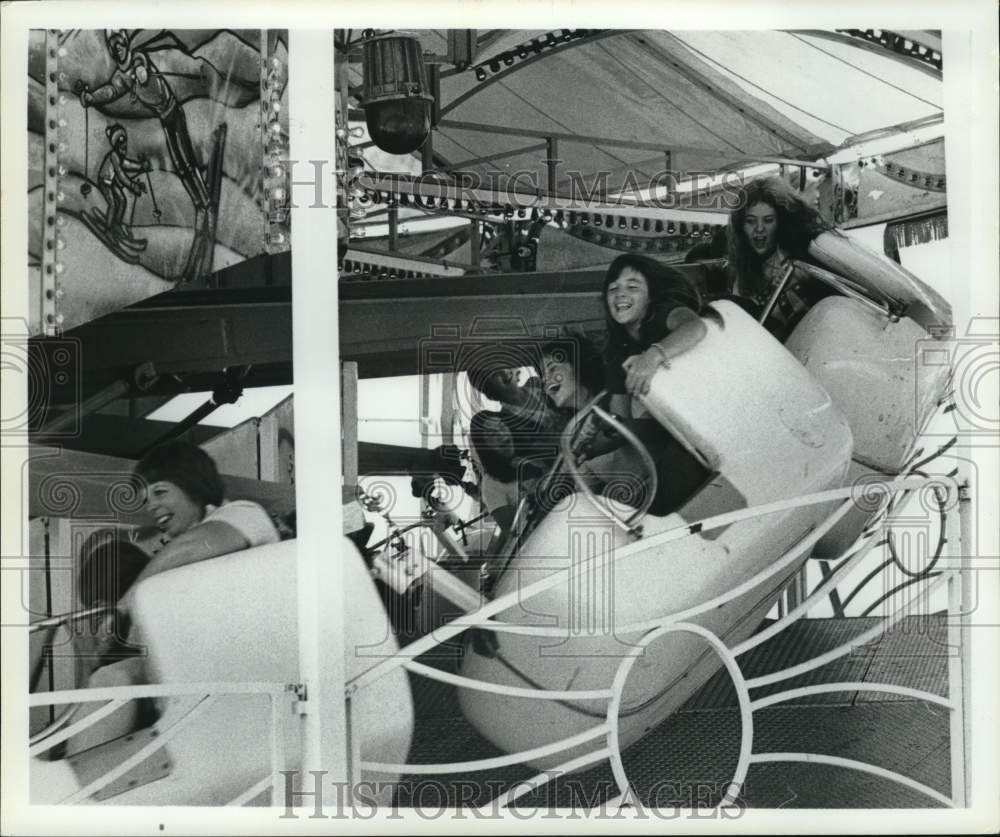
point(664, 357)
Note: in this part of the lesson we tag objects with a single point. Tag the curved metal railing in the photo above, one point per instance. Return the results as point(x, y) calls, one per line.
point(604, 734)
point(607, 732)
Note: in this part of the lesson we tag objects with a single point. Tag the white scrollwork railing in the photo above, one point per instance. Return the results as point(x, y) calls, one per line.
point(950, 573)
point(201, 695)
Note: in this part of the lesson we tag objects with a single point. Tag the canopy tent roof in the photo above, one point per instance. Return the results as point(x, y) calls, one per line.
point(617, 100)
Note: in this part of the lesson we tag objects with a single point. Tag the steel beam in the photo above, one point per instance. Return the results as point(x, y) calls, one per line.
point(193, 337)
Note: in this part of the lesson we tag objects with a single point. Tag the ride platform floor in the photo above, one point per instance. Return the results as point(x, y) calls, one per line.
point(689, 759)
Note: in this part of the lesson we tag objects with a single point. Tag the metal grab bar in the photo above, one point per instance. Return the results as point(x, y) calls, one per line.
point(779, 289)
point(630, 524)
point(52, 623)
point(71, 616)
point(64, 717)
point(66, 714)
point(889, 307)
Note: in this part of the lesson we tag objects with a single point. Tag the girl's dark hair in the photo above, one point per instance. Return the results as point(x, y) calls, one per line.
point(482, 378)
point(188, 467)
point(109, 565)
point(493, 444)
point(582, 354)
point(668, 289)
point(798, 225)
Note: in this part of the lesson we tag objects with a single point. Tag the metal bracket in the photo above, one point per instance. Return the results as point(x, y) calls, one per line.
point(300, 706)
point(97, 761)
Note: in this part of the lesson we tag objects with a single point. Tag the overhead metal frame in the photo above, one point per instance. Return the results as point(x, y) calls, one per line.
point(840, 36)
point(521, 63)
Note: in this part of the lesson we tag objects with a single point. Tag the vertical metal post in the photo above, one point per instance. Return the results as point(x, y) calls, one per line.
point(959, 602)
point(278, 703)
point(353, 750)
point(447, 408)
point(552, 163)
point(427, 149)
point(475, 244)
point(792, 593)
point(349, 423)
point(269, 449)
point(427, 153)
point(62, 544)
point(835, 604)
point(434, 79)
point(393, 228)
point(426, 419)
point(321, 604)
point(965, 544)
point(671, 179)
point(48, 609)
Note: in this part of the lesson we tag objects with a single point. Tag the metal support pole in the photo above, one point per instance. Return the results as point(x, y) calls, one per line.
point(835, 603)
point(447, 408)
point(959, 602)
point(792, 593)
point(353, 752)
point(228, 392)
point(434, 79)
point(427, 152)
point(320, 585)
point(349, 423)
point(668, 162)
point(552, 162)
point(48, 608)
point(475, 245)
point(426, 419)
point(393, 228)
point(965, 534)
point(90, 405)
point(427, 149)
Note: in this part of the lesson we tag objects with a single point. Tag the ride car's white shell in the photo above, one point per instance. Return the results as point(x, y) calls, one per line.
point(770, 432)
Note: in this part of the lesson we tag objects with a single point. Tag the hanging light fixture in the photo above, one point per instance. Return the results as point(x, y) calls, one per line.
point(396, 97)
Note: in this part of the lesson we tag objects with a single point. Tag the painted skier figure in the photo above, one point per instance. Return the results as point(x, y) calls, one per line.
point(115, 176)
point(137, 76)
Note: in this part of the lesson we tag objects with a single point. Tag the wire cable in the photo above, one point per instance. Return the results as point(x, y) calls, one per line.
point(865, 72)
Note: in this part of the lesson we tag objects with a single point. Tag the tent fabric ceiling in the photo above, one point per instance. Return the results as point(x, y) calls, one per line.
point(710, 98)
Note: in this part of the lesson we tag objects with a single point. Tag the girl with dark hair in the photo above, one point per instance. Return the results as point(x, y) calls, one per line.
point(572, 373)
point(185, 497)
point(772, 226)
point(653, 314)
point(644, 302)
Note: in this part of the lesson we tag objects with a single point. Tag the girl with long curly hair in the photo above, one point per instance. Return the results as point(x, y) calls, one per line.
point(772, 226)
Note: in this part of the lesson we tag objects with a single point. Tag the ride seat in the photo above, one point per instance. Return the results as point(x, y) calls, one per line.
point(871, 367)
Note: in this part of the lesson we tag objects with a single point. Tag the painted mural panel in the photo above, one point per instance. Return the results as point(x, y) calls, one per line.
point(156, 157)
